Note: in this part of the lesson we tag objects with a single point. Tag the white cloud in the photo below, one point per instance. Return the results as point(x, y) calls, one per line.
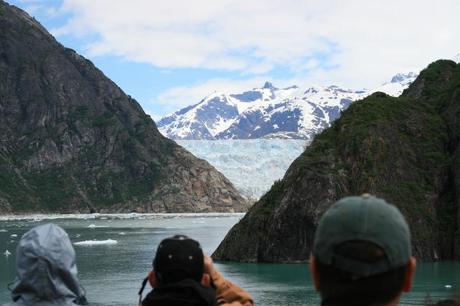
point(228, 34)
point(364, 41)
point(379, 38)
point(356, 43)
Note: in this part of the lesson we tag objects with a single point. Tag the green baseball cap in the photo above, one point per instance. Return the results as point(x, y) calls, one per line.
point(363, 219)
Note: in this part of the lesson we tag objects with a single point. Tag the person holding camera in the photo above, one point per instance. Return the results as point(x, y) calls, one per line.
point(183, 275)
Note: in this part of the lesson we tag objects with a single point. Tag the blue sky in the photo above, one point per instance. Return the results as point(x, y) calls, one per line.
point(171, 54)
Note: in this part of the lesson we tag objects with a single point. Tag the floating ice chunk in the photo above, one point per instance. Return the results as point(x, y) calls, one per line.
point(96, 226)
point(7, 253)
point(3, 230)
point(77, 236)
point(96, 242)
point(448, 286)
point(13, 235)
point(122, 233)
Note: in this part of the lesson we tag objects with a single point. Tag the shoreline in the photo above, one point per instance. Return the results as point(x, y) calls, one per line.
point(119, 216)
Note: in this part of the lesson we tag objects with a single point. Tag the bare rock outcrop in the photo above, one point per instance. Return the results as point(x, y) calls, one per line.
point(72, 141)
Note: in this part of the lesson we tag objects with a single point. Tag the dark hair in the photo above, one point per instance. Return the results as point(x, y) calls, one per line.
point(338, 286)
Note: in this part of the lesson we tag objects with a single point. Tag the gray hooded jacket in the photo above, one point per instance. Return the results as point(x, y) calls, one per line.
point(46, 273)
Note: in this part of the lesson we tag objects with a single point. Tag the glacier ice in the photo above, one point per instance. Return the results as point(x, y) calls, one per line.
point(252, 165)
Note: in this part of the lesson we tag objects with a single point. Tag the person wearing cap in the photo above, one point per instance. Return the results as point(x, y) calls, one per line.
point(183, 275)
point(46, 273)
point(362, 253)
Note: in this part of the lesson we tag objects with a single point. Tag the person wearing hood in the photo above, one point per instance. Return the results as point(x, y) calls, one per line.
point(46, 272)
point(183, 276)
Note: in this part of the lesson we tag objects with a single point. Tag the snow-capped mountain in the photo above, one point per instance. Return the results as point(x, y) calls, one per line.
point(398, 83)
point(269, 112)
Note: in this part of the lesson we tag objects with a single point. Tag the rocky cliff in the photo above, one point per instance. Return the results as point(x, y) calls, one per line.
point(404, 149)
point(72, 141)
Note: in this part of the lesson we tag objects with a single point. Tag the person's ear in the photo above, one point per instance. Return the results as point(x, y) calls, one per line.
point(206, 280)
point(152, 279)
point(314, 272)
point(410, 274)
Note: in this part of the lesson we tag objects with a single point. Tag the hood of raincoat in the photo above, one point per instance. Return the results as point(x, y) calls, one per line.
point(46, 273)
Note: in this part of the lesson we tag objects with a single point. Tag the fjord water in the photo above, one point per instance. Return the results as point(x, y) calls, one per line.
point(112, 272)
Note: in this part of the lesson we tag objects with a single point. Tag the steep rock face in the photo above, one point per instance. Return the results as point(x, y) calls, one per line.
point(404, 149)
point(72, 141)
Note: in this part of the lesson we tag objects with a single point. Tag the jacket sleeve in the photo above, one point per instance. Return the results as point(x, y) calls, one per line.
point(229, 294)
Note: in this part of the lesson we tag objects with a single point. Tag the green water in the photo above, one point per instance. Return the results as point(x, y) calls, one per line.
point(111, 274)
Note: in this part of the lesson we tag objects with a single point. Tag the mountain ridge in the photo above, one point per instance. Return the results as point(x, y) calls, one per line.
point(72, 141)
point(269, 112)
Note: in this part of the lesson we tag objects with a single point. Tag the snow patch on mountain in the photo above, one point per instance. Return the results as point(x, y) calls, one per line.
point(456, 58)
point(398, 83)
point(269, 112)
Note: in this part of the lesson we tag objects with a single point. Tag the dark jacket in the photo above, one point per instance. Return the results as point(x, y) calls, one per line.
point(185, 293)
point(191, 293)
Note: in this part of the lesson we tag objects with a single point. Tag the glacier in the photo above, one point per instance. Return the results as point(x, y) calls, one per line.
point(252, 165)
point(252, 137)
